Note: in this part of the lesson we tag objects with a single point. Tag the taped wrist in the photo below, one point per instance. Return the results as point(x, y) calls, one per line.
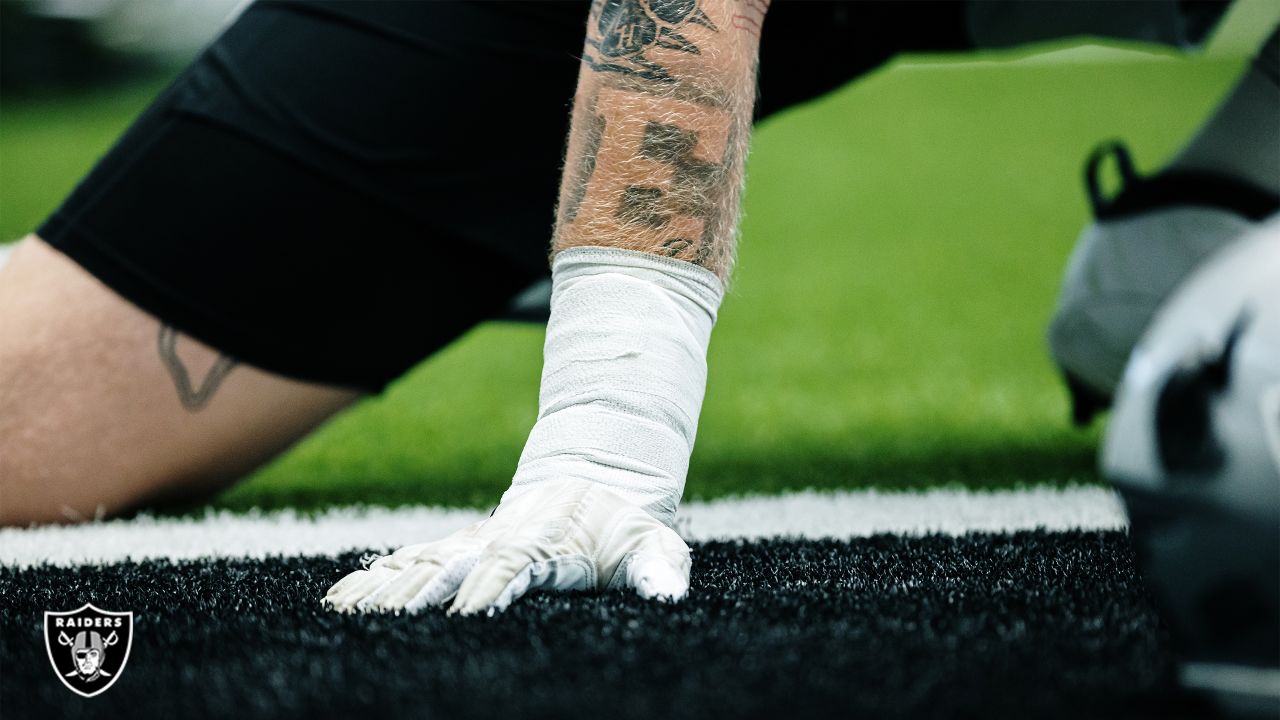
point(623, 376)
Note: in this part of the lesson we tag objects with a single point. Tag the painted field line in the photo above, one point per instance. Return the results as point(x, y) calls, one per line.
point(803, 514)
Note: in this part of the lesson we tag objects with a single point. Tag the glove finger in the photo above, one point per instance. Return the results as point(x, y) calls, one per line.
point(657, 577)
point(659, 566)
point(569, 572)
point(394, 594)
point(503, 571)
point(462, 541)
point(444, 584)
point(353, 588)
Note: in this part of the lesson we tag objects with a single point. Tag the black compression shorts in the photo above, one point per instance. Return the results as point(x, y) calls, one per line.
point(334, 190)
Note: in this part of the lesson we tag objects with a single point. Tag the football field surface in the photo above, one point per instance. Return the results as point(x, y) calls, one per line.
point(889, 513)
point(887, 604)
point(1031, 624)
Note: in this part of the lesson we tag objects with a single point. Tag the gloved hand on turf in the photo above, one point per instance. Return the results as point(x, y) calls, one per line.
point(568, 534)
point(594, 498)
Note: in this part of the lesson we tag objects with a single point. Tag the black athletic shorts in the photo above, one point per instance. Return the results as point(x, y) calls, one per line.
point(334, 190)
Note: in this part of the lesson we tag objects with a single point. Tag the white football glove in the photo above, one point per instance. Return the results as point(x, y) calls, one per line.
point(569, 534)
point(594, 497)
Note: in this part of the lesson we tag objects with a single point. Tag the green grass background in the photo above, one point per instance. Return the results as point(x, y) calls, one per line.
point(900, 254)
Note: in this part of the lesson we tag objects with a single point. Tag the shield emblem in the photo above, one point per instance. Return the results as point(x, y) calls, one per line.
point(88, 647)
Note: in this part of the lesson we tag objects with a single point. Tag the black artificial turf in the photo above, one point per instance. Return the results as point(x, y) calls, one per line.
point(1027, 625)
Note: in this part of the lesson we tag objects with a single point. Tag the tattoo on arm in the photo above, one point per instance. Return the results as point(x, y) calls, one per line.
point(660, 126)
point(625, 30)
point(626, 40)
point(594, 130)
point(192, 398)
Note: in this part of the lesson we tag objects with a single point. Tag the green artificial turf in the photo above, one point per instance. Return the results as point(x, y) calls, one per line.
point(899, 259)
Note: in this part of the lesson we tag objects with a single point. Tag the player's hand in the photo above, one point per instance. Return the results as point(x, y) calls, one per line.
point(563, 535)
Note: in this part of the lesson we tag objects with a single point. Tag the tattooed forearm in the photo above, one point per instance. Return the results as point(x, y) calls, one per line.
point(660, 125)
point(192, 398)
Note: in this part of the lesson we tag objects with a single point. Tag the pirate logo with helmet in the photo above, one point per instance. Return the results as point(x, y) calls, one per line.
point(88, 647)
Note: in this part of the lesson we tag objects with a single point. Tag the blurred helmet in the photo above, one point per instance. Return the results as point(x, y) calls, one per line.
point(1193, 446)
point(1144, 242)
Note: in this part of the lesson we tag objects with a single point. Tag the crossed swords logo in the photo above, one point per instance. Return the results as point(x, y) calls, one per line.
point(88, 647)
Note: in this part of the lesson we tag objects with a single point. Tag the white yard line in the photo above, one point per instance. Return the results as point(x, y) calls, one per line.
point(861, 513)
point(804, 514)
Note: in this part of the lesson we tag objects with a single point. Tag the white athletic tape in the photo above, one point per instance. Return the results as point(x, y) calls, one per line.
point(841, 515)
point(624, 372)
